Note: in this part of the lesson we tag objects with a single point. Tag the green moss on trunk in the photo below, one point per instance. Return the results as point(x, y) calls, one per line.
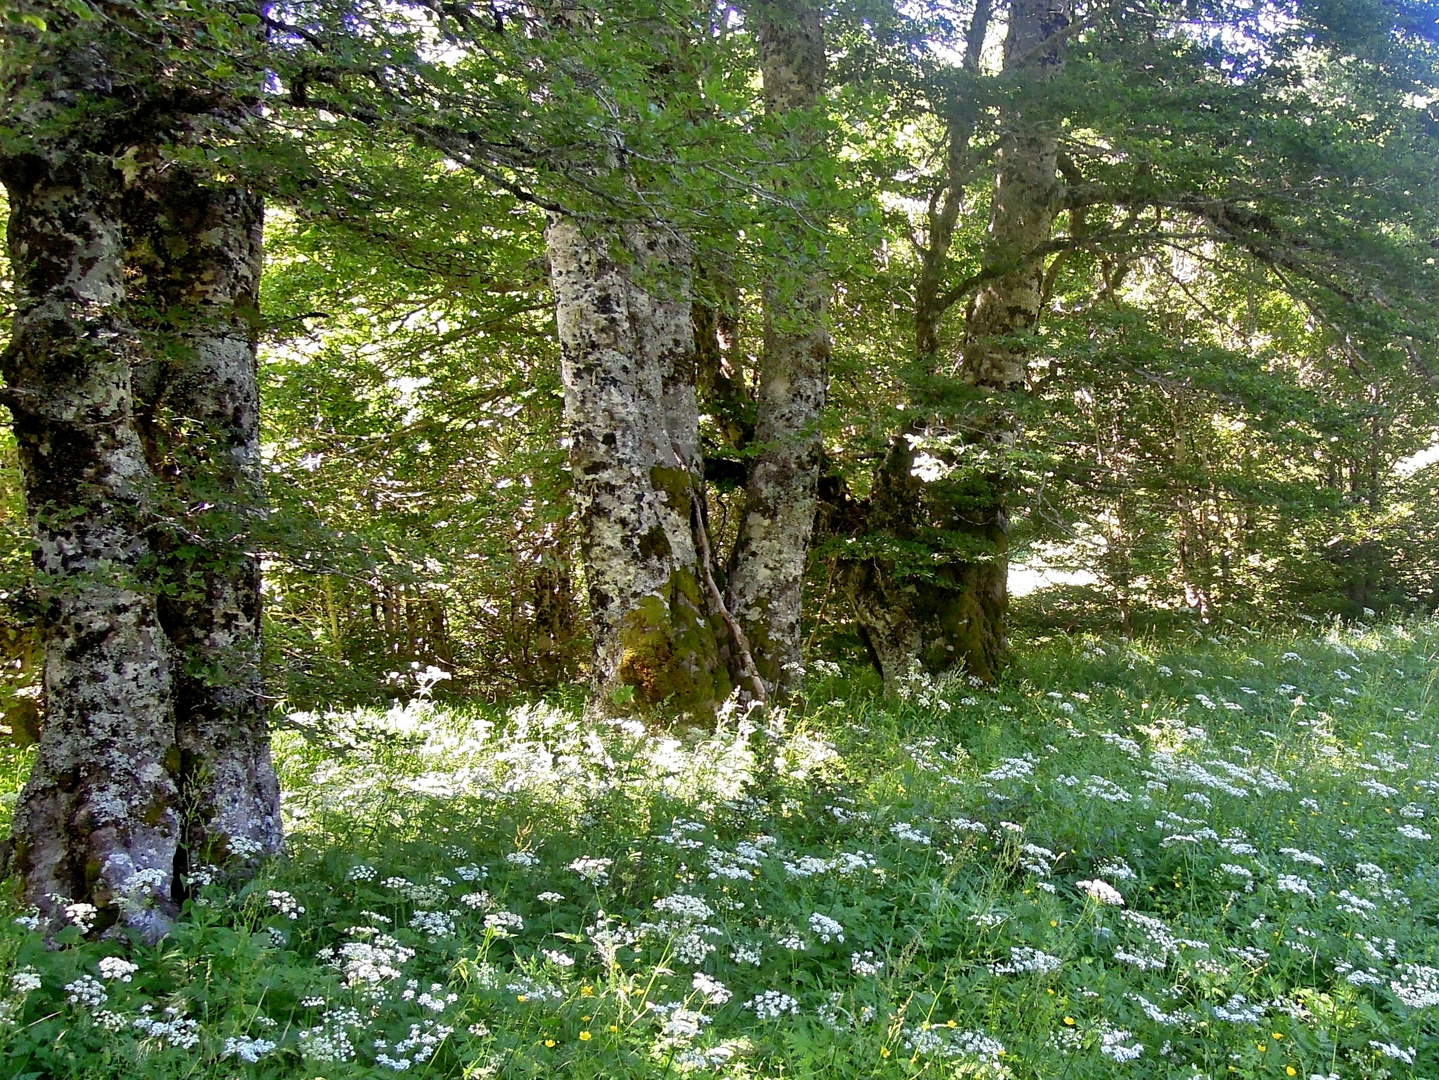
point(671, 653)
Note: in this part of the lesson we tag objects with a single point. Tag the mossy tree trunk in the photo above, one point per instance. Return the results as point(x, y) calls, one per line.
point(623, 312)
point(951, 612)
point(132, 389)
point(766, 586)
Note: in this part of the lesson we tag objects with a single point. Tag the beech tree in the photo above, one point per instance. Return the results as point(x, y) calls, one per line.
point(766, 584)
point(628, 363)
point(130, 375)
point(1197, 143)
point(955, 616)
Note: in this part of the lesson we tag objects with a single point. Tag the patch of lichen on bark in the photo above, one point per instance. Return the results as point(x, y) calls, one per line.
point(670, 655)
point(763, 645)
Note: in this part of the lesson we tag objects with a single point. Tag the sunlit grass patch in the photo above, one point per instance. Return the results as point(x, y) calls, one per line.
point(1133, 858)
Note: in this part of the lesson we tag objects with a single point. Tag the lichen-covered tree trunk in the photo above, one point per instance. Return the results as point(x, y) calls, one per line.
point(195, 255)
point(627, 359)
point(1003, 315)
point(953, 614)
point(765, 589)
point(99, 820)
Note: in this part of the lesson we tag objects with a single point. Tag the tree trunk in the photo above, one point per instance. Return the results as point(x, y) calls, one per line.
point(766, 587)
point(98, 821)
point(627, 358)
point(950, 612)
point(131, 379)
point(1006, 311)
point(195, 257)
point(947, 199)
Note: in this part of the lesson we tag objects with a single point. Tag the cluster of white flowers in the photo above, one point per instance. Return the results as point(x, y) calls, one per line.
point(1291, 883)
point(435, 924)
point(1101, 892)
point(1011, 769)
point(87, 991)
point(1305, 857)
point(1118, 1044)
point(1238, 1010)
point(593, 870)
point(1352, 904)
point(825, 928)
point(845, 863)
point(746, 954)
point(247, 1049)
point(173, 1028)
point(1418, 988)
point(1037, 860)
point(684, 907)
point(1117, 869)
point(864, 964)
point(903, 830)
point(772, 1004)
point(1024, 960)
point(81, 915)
point(1394, 1051)
point(978, 1053)
point(22, 983)
point(713, 991)
point(372, 962)
point(1099, 787)
point(285, 904)
point(326, 1044)
point(115, 967)
point(504, 924)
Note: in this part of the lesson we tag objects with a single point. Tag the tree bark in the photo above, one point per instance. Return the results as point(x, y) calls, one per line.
point(131, 378)
point(766, 587)
point(627, 363)
point(195, 255)
point(99, 819)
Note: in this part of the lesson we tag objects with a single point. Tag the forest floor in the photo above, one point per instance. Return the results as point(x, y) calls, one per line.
point(1195, 858)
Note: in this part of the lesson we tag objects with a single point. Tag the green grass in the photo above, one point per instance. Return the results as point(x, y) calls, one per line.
point(520, 893)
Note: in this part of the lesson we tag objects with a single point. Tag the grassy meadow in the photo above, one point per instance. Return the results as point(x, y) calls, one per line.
point(1200, 857)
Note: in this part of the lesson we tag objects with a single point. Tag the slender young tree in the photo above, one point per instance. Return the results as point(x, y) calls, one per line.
point(766, 586)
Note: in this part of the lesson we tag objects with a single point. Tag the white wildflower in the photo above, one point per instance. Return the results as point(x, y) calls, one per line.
point(1101, 892)
point(504, 924)
point(114, 967)
point(1024, 960)
point(771, 1005)
point(825, 928)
